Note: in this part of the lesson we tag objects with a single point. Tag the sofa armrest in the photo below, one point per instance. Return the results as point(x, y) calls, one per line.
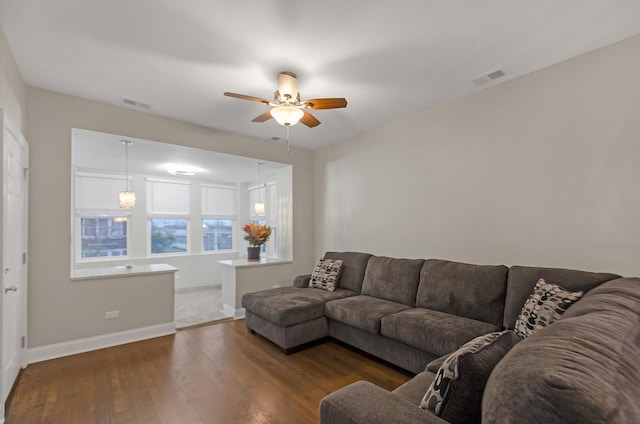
point(302, 281)
point(365, 403)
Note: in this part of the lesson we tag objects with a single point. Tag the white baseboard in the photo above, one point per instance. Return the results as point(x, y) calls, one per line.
point(230, 311)
point(58, 350)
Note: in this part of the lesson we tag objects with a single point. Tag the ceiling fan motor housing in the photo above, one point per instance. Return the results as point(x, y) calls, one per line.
point(287, 88)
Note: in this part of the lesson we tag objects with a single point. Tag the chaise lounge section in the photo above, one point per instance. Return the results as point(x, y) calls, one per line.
point(293, 316)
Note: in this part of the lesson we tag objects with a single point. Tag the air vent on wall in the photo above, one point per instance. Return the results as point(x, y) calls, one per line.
point(136, 103)
point(487, 78)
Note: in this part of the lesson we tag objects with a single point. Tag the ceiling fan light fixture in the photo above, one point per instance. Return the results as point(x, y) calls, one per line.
point(287, 115)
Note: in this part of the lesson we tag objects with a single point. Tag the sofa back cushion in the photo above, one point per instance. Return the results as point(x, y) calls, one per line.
point(392, 279)
point(522, 280)
point(581, 369)
point(354, 265)
point(471, 291)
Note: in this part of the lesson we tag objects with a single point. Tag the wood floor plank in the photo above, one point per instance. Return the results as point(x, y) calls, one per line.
point(212, 374)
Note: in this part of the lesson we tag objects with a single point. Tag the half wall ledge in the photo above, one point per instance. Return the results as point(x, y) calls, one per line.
point(240, 276)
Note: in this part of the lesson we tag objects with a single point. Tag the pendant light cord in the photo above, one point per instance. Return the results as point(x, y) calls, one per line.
point(126, 162)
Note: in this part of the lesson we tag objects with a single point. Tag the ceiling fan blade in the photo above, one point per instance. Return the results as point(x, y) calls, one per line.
point(331, 103)
point(309, 120)
point(245, 97)
point(261, 118)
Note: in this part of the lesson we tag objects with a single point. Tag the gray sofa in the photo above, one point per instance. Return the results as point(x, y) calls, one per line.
point(583, 368)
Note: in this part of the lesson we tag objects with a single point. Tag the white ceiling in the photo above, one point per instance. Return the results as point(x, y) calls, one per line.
point(93, 150)
point(389, 59)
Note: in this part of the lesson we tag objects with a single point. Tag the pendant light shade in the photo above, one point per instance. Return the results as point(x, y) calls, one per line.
point(287, 115)
point(127, 198)
point(259, 208)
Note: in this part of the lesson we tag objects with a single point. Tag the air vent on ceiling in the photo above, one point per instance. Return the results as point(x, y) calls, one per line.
point(136, 103)
point(487, 78)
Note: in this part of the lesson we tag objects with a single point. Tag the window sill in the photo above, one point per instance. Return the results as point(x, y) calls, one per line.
point(246, 263)
point(121, 271)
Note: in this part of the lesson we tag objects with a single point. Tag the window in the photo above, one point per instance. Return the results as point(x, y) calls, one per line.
point(168, 208)
point(217, 234)
point(103, 236)
point(218, 217)
point(102, 227)
point(169, 236)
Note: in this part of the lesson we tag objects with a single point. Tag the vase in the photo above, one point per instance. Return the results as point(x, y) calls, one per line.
point(253, 253)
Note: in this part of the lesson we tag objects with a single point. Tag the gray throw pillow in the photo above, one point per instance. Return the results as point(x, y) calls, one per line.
point(545, 305)
point(455, 395)
point(326, 274)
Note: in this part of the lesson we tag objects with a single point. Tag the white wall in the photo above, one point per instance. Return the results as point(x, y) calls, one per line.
point(61, 309)
point(542, 170)
point(12, 90)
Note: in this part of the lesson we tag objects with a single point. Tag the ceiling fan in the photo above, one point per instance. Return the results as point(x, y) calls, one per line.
point(288, 109)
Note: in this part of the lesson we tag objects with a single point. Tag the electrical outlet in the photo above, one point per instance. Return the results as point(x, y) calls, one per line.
point(111, 314)
point(275, 286)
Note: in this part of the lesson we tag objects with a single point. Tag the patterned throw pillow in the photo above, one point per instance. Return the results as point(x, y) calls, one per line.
point(545, 305)
point(455, 395)
point(326, 274)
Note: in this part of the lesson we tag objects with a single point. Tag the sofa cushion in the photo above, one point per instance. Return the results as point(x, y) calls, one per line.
point(455, 394)
point(287, 306)
point(521, 281)
point(436, 332)
point(326, 274)
point(545, 305)
point(354, 265)
point(362, 312)
point(582, 369)
point(392, 279)
point(472, 291)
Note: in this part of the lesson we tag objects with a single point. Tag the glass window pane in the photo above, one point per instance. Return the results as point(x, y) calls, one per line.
point(217, 234)
point(168, 235)
point(103, 236)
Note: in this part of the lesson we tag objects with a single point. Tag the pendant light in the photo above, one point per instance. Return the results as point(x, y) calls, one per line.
point(128, 197)
point(259, 206)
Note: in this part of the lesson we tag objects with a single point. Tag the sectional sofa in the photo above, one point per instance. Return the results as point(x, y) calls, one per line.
point(410, 312)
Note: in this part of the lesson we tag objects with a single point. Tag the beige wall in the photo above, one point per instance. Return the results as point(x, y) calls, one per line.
point(542, 170)
point(12, 90)
point(63, 310)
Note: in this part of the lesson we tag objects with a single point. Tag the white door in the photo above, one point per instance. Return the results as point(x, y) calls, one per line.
point(14, 248)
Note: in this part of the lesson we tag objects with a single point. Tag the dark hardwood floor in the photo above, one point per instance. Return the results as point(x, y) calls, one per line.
point(213, 374)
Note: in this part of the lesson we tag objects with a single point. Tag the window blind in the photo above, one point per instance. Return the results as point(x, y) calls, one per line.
point(99, 192)
point(219, 201)
point(168, 197)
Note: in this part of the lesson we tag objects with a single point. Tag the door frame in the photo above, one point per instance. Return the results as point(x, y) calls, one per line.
point(6, 125)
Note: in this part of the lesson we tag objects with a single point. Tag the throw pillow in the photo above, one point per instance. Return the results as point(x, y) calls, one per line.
point(455, 395)
point(545, 305)
point(326, 274)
